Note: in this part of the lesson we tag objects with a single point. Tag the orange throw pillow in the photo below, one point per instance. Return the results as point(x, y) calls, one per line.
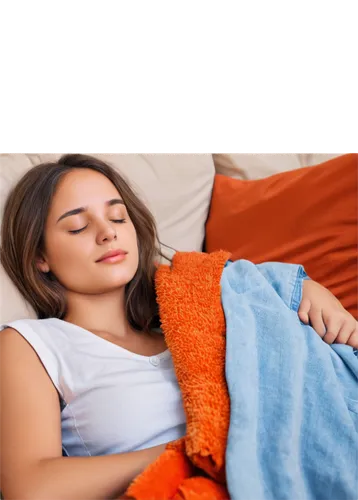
point(306, 216)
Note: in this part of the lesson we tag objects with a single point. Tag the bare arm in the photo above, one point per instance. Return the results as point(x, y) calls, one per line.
point(32, 466)
point(86, 478)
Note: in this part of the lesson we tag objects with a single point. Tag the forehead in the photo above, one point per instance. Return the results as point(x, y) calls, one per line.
point(80, 188)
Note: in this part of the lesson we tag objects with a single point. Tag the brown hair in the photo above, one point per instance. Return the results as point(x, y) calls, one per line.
point(22, 236)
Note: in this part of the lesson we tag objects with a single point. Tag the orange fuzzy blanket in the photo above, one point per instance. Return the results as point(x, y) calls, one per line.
point(193, 322)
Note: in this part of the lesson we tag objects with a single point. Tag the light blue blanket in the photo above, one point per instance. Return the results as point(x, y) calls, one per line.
point(294, 399)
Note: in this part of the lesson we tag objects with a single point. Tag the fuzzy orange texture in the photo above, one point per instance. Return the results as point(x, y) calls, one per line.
point(189, 297)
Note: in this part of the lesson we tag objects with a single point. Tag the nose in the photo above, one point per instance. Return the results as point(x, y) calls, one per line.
point(106, 235)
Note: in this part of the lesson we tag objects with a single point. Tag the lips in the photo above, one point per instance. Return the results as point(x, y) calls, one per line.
point(111, 253)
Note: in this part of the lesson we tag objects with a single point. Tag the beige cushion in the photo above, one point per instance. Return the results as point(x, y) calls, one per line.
point(308, 160)
point(257, 166)
point(176, 188)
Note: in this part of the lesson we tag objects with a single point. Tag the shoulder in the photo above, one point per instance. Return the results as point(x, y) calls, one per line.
point(18, 358)
point(13, 346)
point(8, 334)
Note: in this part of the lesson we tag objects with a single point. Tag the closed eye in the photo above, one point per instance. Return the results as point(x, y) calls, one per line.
point(76, 231)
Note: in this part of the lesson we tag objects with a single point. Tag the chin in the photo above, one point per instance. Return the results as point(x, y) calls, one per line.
point(121, 277)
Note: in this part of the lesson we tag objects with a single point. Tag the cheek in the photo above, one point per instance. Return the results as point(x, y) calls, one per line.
point(135, 240)
point(68, 257)
point(131, 240)
point(133, 254)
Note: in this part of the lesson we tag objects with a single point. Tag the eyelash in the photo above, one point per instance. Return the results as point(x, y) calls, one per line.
point(76, 231)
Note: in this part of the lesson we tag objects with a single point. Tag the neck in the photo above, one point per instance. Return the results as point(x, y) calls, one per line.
point(99, 313)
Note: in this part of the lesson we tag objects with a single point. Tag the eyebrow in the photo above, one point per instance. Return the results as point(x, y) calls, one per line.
point(79, 210)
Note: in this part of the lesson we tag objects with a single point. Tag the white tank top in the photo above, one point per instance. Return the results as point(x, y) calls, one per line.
point(112, 400)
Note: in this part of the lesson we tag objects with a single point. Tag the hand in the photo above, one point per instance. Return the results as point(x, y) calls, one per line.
point(320, 308)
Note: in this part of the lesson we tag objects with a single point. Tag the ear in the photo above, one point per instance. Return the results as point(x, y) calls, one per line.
point(42, 265)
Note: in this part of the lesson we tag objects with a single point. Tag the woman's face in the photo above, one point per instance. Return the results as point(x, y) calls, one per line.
point(72, 257)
